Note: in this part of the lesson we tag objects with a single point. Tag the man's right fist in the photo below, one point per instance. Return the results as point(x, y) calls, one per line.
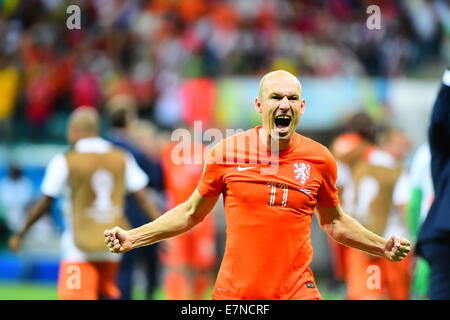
point(117, 240)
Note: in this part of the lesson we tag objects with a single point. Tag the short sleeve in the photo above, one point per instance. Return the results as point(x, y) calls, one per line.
point(327, 195)
point(402, 191)
point(55, 176)
point(420, 166)
point(212, 181)
point(135, 177)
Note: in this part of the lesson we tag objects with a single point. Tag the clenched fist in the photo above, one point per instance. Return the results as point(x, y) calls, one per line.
point(397, 248)
point(118, 240)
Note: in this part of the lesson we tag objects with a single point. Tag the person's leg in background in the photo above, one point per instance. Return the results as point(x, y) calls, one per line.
point(202, 259)
point(175, 259)
point(108, 288)
point(438, 256)
point(398, 278)
point(125, 276)
point(364, 276)
point(149, 257)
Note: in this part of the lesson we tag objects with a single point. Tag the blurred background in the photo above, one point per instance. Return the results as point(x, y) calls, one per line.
point(184, 60)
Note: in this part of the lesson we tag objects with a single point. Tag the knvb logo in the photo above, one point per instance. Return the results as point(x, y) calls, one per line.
point(302, 171)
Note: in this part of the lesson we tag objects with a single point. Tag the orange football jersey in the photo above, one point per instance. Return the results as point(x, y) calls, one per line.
point(268, 248)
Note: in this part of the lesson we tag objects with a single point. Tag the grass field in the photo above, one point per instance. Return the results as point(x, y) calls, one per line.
point(36, 291)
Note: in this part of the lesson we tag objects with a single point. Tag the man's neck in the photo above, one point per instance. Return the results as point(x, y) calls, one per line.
point(274, 145)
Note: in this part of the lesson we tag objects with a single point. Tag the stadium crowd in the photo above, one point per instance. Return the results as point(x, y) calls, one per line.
point(142, 54)
point(147, 48)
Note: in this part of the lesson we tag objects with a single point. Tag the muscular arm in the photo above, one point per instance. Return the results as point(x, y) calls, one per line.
point(41, 207)
point(346, 230)
point(174, 222)
point(146, 204)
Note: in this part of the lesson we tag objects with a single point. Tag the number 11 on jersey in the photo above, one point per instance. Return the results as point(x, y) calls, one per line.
point(273, 192)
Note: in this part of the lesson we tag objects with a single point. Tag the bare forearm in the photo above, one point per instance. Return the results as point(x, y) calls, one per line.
point(351, 233)
point(36, 212)
point(170, 224)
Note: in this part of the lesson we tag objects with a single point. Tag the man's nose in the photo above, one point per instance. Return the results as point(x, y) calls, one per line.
point(284, 104)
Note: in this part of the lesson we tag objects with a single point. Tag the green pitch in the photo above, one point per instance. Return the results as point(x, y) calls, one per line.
point(36, 291)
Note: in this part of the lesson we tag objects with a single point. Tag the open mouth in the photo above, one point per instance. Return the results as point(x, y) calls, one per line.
point(283, 121)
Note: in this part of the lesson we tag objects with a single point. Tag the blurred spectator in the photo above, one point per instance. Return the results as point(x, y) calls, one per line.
point(147, 48)
point(9, 90)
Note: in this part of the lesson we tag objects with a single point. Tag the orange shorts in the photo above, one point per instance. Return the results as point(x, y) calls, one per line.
point(195, 248)
point(87, 280)
point(373, 278)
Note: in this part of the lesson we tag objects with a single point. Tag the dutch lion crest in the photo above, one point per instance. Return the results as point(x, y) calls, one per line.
point(302, 171)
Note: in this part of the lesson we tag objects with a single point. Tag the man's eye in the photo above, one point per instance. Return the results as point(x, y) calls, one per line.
point(293, 98)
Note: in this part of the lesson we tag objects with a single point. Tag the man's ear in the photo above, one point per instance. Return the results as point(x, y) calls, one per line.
point(258, 105)
point(303, 106)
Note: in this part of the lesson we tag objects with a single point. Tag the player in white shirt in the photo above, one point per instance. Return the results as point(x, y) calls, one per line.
point(93, 177)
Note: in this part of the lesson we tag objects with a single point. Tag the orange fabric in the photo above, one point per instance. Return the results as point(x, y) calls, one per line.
point(195, 248)
point(268, 247)
point(176, 285)
point(398, 278)
point(87, 280)
point(198, 98)
point(202, 283)
point(338, 252)
point(394, 277)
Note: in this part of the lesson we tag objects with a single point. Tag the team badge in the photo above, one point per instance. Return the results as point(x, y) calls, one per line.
point(302, 171)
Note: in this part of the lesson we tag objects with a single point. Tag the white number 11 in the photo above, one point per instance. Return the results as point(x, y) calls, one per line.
point(273, 191)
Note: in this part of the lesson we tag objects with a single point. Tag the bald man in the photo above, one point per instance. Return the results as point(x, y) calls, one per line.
point(272, 180)
point(93, 177)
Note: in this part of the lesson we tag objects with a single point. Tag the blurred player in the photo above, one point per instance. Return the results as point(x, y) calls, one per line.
point(381, 192)
point(349, 148)
point(433, 242)
point(191, 256)
point(93, 176)
point(122, 113)
point(272, 179)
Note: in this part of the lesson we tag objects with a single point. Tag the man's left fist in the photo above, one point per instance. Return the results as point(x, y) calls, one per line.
point(396, 248)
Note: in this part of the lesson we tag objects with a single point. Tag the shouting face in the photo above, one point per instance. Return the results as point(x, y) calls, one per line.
point(280, 104)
